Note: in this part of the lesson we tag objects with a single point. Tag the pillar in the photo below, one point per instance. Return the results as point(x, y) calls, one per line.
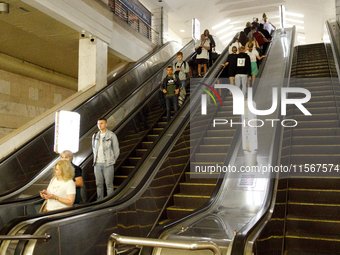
point(92, 68)
point(160, 24)
point(337, 11)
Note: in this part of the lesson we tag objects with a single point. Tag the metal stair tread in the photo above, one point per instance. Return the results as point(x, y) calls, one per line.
point(312, 236)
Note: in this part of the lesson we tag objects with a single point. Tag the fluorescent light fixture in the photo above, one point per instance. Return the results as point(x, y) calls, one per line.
point(225, 29)
point(295, 14)
point(228, 41)
point(227, 35)
point(182, 30)
point(301, 37)
point(237, 28)
point(294, 20)
point(237, 22)
point(221, 24)
point(302, 42)
point(66, 134)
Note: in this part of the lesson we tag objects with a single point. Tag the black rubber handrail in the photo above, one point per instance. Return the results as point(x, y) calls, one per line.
point(112, 110)
point(161, 228)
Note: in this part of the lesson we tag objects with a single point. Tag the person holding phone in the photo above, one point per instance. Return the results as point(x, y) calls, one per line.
point(61, 191)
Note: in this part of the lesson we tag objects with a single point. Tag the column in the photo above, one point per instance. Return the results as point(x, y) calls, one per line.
point(337, 11)
point(160, 23)
point(92, 68)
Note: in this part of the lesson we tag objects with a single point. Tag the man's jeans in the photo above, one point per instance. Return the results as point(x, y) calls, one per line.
point(173, 100)
point(184, 83)
point(241, 79)
point(103, 173)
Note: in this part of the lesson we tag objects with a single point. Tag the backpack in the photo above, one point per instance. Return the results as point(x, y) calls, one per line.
point(259, 38)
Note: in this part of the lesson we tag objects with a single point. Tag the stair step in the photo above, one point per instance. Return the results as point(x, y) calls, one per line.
point(188, 200)
point(204, 189)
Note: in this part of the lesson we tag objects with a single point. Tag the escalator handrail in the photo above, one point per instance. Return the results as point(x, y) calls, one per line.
point(240, 240)
point(91, 130)
point(336, 55)
point(161, 228)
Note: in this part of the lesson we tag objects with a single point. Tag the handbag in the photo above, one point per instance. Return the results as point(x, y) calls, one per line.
point(43, 207)
point(199, 50)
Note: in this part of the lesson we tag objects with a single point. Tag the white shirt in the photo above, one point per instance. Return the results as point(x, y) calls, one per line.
point(60, 189)
point(252, 55)
point(205, 53)
point(237, 44)
point(267, 26)
point(100, 157)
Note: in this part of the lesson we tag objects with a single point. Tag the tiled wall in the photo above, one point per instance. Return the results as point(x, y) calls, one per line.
point(23, 98)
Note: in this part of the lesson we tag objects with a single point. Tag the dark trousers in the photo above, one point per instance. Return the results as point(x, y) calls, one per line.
point(173, 100)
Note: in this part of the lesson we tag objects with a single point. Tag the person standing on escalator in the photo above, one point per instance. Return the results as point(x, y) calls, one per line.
point(170, 88)
point(105, 148)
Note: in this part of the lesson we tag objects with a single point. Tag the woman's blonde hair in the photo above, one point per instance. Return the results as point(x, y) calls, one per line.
point(264, 15)
point(250, 46)
point(248, 24)
point(65, 170)
point(234, 49)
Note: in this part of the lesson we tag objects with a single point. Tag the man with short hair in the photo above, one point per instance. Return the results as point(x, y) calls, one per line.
point(243, 69)
point(105, 148)
point(181, 68)
point(170, 87)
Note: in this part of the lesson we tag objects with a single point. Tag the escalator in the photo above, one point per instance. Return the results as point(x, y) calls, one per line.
point(305, 218)
point(30, 205)
point(136, 215)
point(27, 163)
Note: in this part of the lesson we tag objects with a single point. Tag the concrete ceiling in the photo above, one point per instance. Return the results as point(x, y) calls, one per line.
point(35, 37)
point(213, 12)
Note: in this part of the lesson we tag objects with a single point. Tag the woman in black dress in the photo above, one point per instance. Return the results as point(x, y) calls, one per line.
point(212, 45)
point(231, 64)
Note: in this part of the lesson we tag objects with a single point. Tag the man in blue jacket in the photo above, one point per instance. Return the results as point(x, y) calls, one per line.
point(105, 148)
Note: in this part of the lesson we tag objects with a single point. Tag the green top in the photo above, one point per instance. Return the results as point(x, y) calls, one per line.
point(170, 86)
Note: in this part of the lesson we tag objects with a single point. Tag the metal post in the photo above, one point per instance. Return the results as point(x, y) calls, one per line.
point(115, 240)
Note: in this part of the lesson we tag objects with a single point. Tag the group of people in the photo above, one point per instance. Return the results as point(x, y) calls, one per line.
point(246, 51)
point(64, 189)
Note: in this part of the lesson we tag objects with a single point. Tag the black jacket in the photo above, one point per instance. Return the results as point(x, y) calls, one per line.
point(165, 81)
point(243, 65)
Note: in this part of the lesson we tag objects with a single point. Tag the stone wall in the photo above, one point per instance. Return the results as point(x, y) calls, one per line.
point(23, 98)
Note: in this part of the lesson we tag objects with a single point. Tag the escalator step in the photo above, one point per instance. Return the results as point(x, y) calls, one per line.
point(176, 212)
point(141, 152)
point(197, 188)
point(313, 209)
point(313, 225)
point(147, 145)
point(201, 177)
point(188, 200)
point(312, 242)
point(321, 196)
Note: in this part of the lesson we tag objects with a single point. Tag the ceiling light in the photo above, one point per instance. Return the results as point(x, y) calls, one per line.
point(235, 22)
point(228, 41)
point(295, 14)
point(227, 35)
point(225, 29)
point(294, 20)
point(182, 30)
point(237, 28)
point(221, 24)
point(302, 42)
point(301, 37)
point(4, 8)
